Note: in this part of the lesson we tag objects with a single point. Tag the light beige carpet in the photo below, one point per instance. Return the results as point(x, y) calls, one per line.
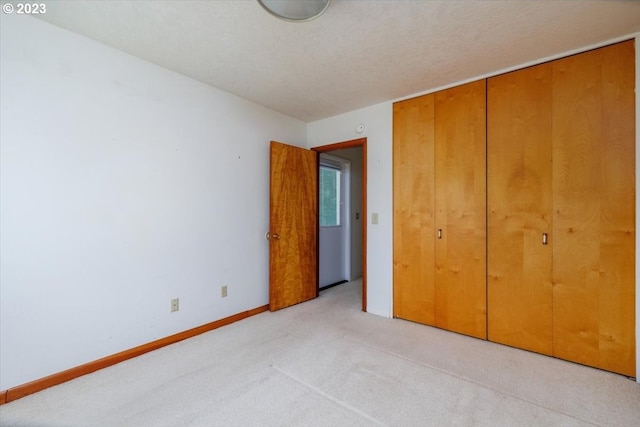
point(326, 363)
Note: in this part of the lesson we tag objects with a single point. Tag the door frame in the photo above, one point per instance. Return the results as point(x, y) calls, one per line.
point(360, 142)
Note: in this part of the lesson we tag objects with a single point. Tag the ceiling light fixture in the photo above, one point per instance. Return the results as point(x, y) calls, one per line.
point(295, 10)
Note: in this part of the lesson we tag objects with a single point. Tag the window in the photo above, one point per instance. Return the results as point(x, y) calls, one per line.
point(329, 196)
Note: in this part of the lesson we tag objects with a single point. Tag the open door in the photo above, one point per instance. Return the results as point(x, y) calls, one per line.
point(293, 226)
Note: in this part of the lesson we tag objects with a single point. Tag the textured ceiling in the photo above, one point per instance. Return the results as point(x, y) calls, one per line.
point(358, 53)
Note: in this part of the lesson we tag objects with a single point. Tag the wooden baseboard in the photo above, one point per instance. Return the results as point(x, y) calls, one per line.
point(23, 390)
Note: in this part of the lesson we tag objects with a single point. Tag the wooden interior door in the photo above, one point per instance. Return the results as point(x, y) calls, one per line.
point(594, 208)
point(413, 204)
point(519, 205)
point(460, 209)
point(293, 228)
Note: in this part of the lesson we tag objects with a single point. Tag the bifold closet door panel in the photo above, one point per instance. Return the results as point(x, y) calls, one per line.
point(594, 208)
point(519, 288)
point(460, 182)
point(413, 202)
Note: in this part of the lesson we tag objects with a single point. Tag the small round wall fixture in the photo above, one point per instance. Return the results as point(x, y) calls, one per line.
point(295, 10)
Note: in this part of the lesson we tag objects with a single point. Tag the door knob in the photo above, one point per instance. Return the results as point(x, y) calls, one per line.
point(273, 236)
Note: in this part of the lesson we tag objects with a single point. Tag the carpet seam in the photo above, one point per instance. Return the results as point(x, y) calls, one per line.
point(329, 397)
point(469, 380)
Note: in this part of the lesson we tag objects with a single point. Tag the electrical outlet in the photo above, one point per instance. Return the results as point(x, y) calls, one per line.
point(223, 291)
point(175, 304)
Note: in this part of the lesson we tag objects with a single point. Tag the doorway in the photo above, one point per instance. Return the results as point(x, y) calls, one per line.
point(354, 154)
point(335, 218)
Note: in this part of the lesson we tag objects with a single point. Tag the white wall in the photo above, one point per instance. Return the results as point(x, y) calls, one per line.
point(123, 185)
point(378, 121)
point(332, 256)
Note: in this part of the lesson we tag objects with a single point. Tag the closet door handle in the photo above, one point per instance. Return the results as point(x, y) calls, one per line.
point(439, 233)
point(545, 238)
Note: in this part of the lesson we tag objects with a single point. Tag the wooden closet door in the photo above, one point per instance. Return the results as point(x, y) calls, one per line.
point(460, 159)
point(413, 202)
point(519, 199)
point(594, 208)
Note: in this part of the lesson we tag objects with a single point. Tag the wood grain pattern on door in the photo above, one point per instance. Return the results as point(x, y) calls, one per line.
point(594, 208)
point(413, 216)
point(460, 211)
point(293, 229)
point(519, 204)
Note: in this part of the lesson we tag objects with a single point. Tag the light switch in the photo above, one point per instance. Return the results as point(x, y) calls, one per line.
point(374, 218)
